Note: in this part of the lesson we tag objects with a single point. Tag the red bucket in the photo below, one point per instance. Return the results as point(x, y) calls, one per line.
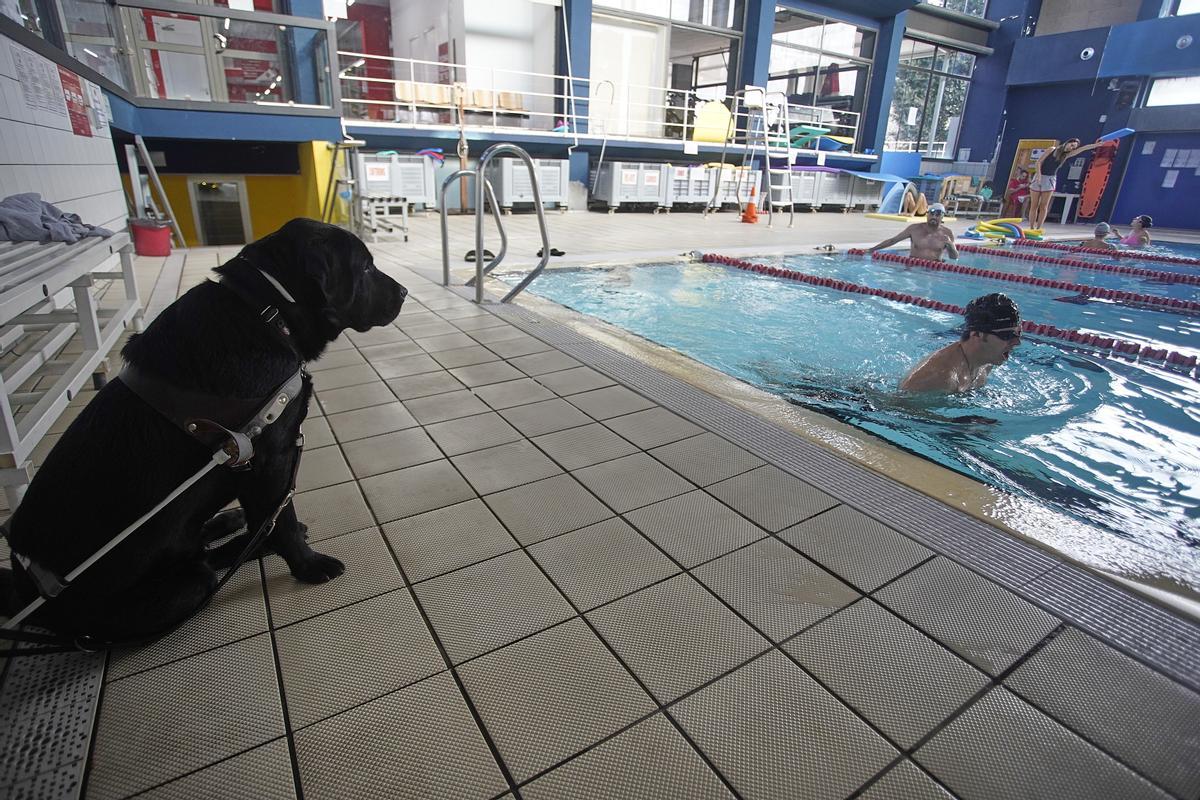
point(151, 237)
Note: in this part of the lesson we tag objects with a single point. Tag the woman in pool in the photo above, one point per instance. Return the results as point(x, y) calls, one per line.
point(1043, 183)
point(1139, 233)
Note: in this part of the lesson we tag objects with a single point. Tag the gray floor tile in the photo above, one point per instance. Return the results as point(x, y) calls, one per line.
point(612, 401)
point(441, 407)
point(333, 511)
point(390, 451)
point(895, 676)
point(430, 383)
point(449, 341)
point(653, 427)
point(706, 459)
point(499, 333)
point(772, 497)
point(552, 695)
point(514, 393)
point(906, 781)
point(1002, 748)
point(236, 612)
point(264, 773)
point(466, 312)
point(323, 467)
point(574, 381)
point(583, 446)
point(505, 466)
point(441, 541)
point(747, 723)
point(780, 591)
point(695, 527)
point(392, 350)
point(985, 624)
point(161, 724)
point(317, 433)
point(384, 334)
point(633, 481)
point(338, 377)
point(479, 608)
point(420, 743)
point(411, 318)
point(465, 356)
point(1147, 720)
point(467, 434)
point(651, 759)
point(485, 374)
point(518, 346)
point(352, 397)
point(541, 363)
point(539, 418)
point(675, 636)
point(866, 553)
point(438, 328)
point(415, 489)
point(338, 358)
point(370, 570)
point(546, 508)
point(370, 421)
point(405, 366)
point(478, 322)
point(346, 657)
point(601, 562)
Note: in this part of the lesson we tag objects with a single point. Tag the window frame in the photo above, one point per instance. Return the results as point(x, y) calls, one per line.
point(930, 72)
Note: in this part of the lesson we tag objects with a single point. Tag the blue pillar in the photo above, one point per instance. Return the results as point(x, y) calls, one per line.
point(883, 77)
point(578, 32)
point(756, 42)
point(305, 57)
point(984, 114)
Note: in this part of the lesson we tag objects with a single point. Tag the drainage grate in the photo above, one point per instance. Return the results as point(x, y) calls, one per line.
point(47, 707)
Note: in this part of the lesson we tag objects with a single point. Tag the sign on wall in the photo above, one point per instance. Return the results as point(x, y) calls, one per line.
point(76, 102)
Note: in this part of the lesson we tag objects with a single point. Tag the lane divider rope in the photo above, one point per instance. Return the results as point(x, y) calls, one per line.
point(1157, 357)
point(1137, 272)
point(1074, 248)
point(1153, 301)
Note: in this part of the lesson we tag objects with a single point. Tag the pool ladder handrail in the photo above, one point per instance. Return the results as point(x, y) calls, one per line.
point(482, 186)
point(491, 195)
point(787, 187)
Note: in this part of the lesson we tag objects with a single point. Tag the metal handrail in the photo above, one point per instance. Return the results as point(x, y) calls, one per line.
point(484, 159)
point(462, 173)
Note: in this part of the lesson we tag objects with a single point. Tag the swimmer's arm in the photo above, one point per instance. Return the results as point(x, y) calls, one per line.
point(902, 235)
point(950, 248)
point(928, 376)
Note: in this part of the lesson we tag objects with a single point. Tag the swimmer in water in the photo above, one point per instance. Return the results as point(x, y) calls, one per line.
point(991, 332)
point(929, 238)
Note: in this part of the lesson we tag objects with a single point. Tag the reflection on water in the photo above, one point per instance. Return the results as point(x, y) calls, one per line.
point(1113, 444)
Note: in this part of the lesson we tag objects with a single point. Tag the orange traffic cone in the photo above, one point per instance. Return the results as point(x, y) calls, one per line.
point(750, 215)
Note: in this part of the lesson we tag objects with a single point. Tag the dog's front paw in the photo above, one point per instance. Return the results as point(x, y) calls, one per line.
point(318, 569)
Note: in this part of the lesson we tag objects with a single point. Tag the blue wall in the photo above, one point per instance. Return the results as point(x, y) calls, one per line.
point(1148, 48)
point(984, 115)
point(1142, 189)
point(161, 123)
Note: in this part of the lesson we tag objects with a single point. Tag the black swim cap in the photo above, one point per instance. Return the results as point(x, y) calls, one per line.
point(992, 312)
point(1146, 220)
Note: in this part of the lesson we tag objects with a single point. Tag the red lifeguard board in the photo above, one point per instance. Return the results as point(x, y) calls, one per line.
point(1096, 179)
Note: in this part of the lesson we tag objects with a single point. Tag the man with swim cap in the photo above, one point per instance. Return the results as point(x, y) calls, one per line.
point(1099, 240)
point(992, 330)
point(929, 238)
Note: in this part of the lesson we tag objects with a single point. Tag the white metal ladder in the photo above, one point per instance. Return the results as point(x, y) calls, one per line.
point(785, 187)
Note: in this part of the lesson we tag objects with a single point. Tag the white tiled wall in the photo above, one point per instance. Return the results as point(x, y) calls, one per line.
point(40, 153)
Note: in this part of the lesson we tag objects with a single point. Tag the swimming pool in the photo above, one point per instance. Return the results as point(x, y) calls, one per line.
point(1111, 443)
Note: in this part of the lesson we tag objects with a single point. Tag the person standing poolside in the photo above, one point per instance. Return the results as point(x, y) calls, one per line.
point(992, 330)
point(929, 238)
point(1044, 181)
point(1139, 235)
point(1099, 240)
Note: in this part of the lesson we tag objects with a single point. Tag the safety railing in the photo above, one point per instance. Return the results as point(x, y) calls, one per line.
point(491, 196)
point(407, 92)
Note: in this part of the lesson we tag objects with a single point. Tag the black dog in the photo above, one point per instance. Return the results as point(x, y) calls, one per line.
point(120, 457)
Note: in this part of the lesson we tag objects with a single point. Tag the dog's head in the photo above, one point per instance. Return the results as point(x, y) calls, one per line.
point(331, 275)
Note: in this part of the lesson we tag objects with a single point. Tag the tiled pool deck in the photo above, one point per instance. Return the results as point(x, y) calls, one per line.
point(571, 576)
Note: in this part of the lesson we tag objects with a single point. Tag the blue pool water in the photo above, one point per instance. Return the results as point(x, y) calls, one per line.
point(1112, 444)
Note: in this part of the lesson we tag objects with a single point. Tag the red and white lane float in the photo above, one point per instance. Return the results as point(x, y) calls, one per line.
point(1158, 357)
point(1072, 248)
point(1162, 276)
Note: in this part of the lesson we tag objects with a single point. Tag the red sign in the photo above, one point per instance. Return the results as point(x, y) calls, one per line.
point(76, 102)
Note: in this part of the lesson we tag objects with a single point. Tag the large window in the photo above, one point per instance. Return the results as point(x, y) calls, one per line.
point(824, 64)
point(1174, 91)
point(928, 100)
point(976, 8)
point(1186, 7)
point(713, 13)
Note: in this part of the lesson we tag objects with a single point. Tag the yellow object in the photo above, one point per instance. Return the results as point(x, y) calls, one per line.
point(842, 139)
point(713, 123)
point(1033, 232)
point(991, 235)
point(903, 218)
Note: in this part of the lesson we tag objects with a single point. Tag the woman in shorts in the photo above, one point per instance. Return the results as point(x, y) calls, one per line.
point(1043, 183)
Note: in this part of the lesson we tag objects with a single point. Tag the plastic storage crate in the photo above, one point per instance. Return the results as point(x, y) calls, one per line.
point(510, 180)
point(393, 175)
point(734, 185)
point(620, 183)
point(687, 185)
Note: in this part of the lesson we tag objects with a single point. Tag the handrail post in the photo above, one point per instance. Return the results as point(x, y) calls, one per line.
point(480, 188)
point(463, 173)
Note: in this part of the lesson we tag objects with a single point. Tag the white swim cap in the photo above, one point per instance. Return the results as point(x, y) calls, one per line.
point(1102, 229)
point(936, 208)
